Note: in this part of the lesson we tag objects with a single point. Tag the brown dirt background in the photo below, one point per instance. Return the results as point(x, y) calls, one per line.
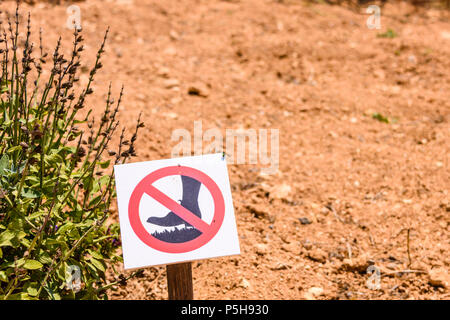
point(316, 73)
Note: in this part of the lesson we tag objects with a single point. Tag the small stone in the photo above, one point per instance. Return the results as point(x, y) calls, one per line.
point(163, 72)
point(439, 278)
point(333, 134)
point(244, 283)
point(316, 291)
point(318, 255)
point(391, 266)
point(258, 211)
point(261, 249)
point(313, 293)
point(307, 244)
point(171, 83)
point(198, 89)
point(304, 220)
point(358, 264)
point(174, 35)
point(280, 266)
point(281, 192)
point(269, 176)
point(175, 100)
point(171, 115)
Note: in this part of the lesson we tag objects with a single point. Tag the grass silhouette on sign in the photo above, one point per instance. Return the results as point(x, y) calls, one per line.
point(177, 235)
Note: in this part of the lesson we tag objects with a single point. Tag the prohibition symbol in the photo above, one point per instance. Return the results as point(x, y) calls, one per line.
point(204, 231)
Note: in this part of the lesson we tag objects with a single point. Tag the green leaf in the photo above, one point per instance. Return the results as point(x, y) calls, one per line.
point(20, 296)
point(32, 289)
point(6, 237)
point(95, 201)
point(53, 159)
point(30, 194)
point(36, 215)
point(97, 264)
point(3, 276)
point(105, 164)
point(96, 254)
point(32, 264)
point(25, 242)
point(66, 227)
point(17, 224)
point(4, 163)
point(14, 149)
point(44, 257)
point(15, 264)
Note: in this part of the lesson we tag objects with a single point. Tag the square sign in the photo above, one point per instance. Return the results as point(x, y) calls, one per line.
point(175, 210)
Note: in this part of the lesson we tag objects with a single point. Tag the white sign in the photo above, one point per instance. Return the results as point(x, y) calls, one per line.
point(175, 210)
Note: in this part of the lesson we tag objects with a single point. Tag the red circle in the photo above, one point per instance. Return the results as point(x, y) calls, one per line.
point(147, 238)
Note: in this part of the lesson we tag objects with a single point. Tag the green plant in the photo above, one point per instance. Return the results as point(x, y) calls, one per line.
point(380, 117)
point(390, 34)
point(55, 198)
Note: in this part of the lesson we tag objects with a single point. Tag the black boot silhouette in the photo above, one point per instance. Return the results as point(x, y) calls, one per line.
point(191, 188)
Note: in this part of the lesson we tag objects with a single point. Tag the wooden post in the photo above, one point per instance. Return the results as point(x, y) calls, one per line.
point(179, 281)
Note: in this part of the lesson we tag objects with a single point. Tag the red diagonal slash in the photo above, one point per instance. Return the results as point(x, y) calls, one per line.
point(177, 208)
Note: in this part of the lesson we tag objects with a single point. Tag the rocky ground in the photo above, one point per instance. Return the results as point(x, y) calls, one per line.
point(364, 126)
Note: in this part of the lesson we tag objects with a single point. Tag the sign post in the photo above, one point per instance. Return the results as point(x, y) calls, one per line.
point(179, 281)
point(173, 212)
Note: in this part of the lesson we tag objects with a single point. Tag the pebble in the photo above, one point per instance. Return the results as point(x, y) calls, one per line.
point(163, 72)
point(244, 283)
point(198, 89)
point(171, 115)
point(307, 244)
point(304, 220)
point(174, 35)
point(269, 176)
point(170, 83)
point(439, 278)
point(318, 255)
point(358, 264)
point(258, 211)
point(261, 249)
point(280, 266)
point(281, 192)
point(391, 266)
point(313, 293)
